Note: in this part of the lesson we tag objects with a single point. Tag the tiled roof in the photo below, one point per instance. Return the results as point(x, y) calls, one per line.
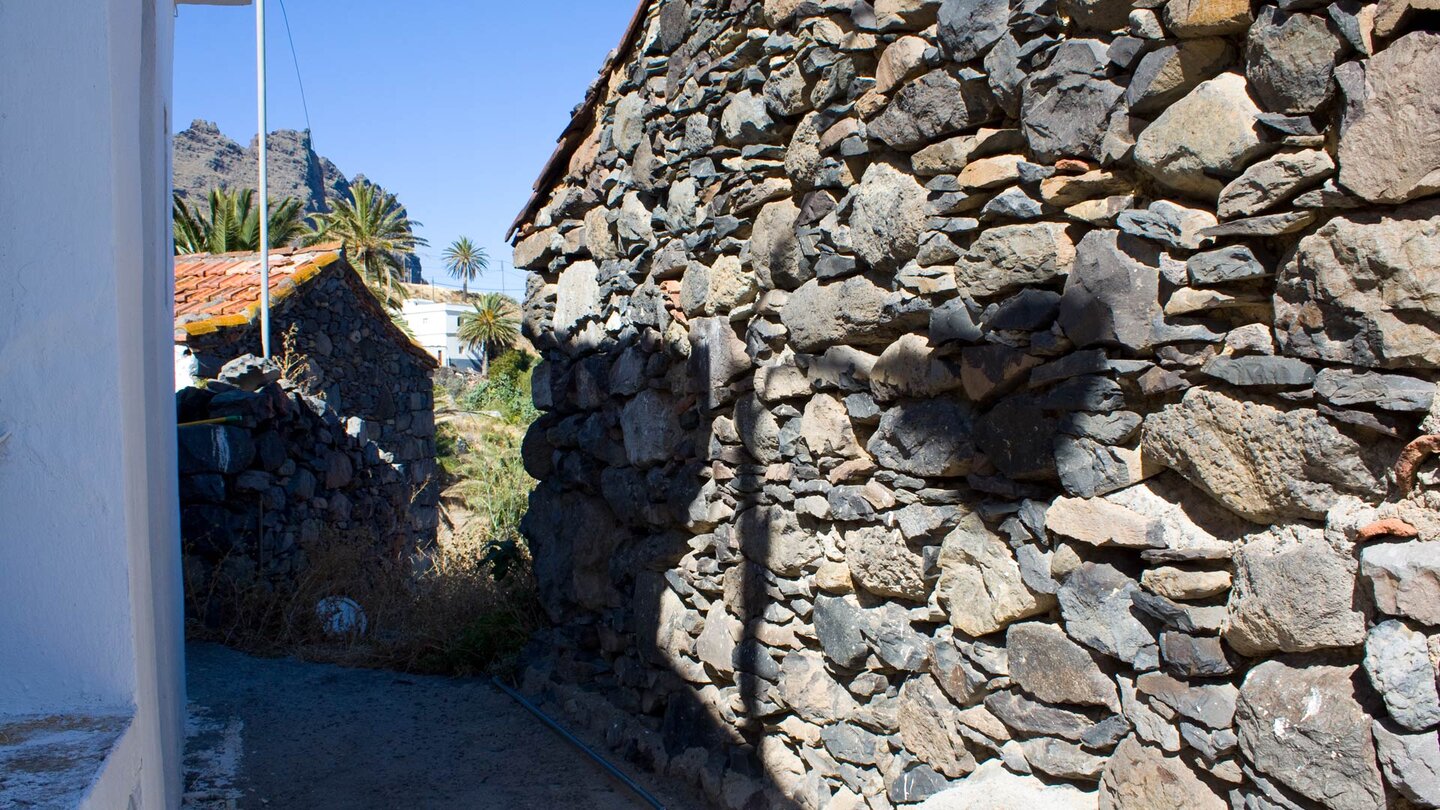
point(222, 290)
point(225, 287)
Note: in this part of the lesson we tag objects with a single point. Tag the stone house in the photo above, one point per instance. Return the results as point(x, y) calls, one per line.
point(997, 403)
point(352, 443)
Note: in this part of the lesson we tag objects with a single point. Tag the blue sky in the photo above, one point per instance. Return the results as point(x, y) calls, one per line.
point(453, 105)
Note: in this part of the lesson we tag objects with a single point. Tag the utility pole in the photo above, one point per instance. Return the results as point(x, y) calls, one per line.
point(264, 184)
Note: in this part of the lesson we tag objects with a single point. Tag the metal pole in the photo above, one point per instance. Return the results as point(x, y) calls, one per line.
point(264, 191)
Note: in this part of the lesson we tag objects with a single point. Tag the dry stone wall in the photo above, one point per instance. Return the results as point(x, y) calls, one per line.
point(1000, 404)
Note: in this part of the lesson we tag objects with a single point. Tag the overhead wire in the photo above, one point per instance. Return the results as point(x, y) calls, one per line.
point(295, 57)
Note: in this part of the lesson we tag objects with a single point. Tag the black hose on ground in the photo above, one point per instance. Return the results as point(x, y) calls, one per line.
point(585, 749)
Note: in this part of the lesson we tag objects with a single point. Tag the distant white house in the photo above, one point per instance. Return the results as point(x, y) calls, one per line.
point(436, 326)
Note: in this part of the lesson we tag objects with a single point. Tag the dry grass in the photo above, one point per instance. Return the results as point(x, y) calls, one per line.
point(465, 607)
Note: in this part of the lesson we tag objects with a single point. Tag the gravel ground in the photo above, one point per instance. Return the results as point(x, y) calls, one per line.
point(281, 733)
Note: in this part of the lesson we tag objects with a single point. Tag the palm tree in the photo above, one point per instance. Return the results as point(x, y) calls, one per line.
point(234, 223)
point(491, 326)
point(377, 235)
point(465, 261)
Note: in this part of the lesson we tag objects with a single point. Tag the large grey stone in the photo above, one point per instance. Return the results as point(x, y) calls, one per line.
point(773, 537)
point(928, 437)
point(1213, 130)
point(1210, 704)
point(1262, 463)
point(980, 583)
point(810, 691)
point(1260, 370)
point(774, 250)
point(889, 211)
point(849, 311)
point(1095, 601)
point(884, 564)
point(1112, 294)
point(931, 107)
point(1358, 290)
point(1411, 763)
point(838, 622)
point(1404, 579)
point(1138, 777)
point(1290, 59)
point(1273, 181)
point(746, 119)
point(826, 429)
point(1048, 665)
point(1397, 659)
point(1031, 718)
point(717, 357)
point(909, 367)
point(1066, 106)
point(1293, 592)
point(1206, 18)
point(931, 729)
point(1304, 728)
point(1227, 264)
point(1009, 257)
point(895, 641)
point(968, 27)
point(1063, 760)
point(650, 424)
point(1390, 131)
point(1391, 392)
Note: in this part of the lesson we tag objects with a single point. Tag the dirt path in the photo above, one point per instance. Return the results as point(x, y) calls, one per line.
point(282, 733)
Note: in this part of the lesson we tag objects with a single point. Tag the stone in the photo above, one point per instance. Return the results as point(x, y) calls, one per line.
point(930, 728)
point(1286, 222)
point(1260, 370)
point(224, 449)
point(717, 358)
point(1181, 584)
point(1166, 74)
point(1066, 106)
point(992, 787)
point(719, 638)
point(1410, 762)
point(910, 368)
point(1099, 522)
point(1391, 392)
point(1193, 656)
point(1210, 704)
point(759, 430)
point(1112, 293)
point(1213, 130)
point(1096, 606)
point(1270, 182)
point(1063, 760)
point(882, 563)
point(1205, 18)
point(1290, 60)
point(1029, 718)
point(928, 438)
point(651, 428)
point(1063, 190)
point(1397, 659)
point(826, 430)
point(1304, 728)
point(969, 27)
point(888, 213)
point(931, 107)
point(953, 154)
point(1055, 669)
point(810, 691)
point(577, 296)
point(894, 640)
point(992, 370)
point(980, 583)
point(838, 621)
point(746, 120)
point(1260, 462)
point(772, 536)
point(1009, 257)
point(774, 250)
point(1225, 265)
point(1138, 777)
point(1355, 292)
point(1390, 128)
point(848, 311)
point(900, 60)
point(1293, 592)
point(1404, 579)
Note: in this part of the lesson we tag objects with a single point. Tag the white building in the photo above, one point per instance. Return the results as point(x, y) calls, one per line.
point(91, 671)
point(436, 326)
